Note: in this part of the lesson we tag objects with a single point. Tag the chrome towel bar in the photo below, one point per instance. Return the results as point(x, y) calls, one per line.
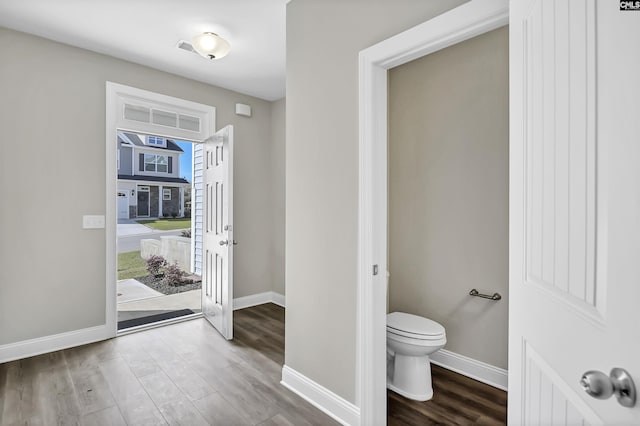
point(494, 296)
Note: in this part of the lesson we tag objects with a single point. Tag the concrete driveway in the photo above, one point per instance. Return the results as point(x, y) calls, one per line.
point(128, 227)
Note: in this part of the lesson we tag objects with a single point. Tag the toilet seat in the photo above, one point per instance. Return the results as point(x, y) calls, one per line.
point(414, 326)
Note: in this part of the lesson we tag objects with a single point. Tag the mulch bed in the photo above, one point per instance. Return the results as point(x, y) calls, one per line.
point(193, 282)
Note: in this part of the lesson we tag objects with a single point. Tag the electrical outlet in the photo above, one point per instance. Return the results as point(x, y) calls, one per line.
point(93, 221)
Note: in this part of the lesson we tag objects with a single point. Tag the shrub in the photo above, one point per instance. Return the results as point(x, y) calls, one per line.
point(186, 233)
point(173, 275)
point(155, 264)
point(165, 214)
point(174, 214)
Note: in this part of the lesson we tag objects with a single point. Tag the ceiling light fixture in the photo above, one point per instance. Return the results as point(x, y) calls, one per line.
point(211, 45)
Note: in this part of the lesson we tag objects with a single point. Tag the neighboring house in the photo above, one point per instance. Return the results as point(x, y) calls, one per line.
point(149, 182)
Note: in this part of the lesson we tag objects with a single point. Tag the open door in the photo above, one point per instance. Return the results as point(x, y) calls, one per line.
point(574, 212)
point(217, 277)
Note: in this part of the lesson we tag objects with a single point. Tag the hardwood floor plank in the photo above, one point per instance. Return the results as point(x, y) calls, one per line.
point(136, 406)
point(457, 400)
point(187, 373)
point(182, 412)
point(161, 389)
point(108, 417)
point(92, 389)
point(217, 411)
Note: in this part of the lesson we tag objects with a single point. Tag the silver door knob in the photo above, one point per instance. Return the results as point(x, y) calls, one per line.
point(224, 242)
point(618, 382)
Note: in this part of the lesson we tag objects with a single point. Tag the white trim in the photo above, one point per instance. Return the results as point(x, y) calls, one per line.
point(469, 367)
point(322, 398)
point(258, 299)
point(116, 94)
point(55, 342)
point(461, 23)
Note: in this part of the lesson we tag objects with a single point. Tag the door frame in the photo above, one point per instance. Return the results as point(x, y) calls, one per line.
point(116, 96)
point(459, 24)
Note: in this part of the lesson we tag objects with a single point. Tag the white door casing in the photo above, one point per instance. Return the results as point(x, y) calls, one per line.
point(165, 116)
point(217, 277)
point(461, 23)
point(574, 208)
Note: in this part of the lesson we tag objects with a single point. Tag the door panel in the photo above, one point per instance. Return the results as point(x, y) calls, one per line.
point(217, 297)
point(574, 204)
point(143, 203)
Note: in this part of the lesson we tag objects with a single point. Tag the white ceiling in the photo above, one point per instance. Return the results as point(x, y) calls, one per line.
point(147, 31)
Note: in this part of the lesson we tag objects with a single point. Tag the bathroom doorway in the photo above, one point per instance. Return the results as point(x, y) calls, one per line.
point(448, 204)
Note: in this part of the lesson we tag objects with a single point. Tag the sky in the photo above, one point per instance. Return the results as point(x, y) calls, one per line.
point(185, 160)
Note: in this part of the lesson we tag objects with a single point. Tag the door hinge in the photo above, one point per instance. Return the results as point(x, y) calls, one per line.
point(375, 269)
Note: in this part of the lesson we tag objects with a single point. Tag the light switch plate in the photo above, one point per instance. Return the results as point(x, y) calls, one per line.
point(93, 221)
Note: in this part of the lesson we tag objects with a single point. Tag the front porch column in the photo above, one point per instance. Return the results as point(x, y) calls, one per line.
point(181, 191)
point(160, 201)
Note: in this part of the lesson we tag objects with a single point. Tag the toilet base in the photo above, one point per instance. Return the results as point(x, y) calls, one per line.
point(411, 377)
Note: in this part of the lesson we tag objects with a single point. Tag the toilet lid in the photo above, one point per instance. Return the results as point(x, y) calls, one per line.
point(414, 324)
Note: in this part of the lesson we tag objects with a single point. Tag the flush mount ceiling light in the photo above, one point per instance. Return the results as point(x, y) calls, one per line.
point(211, 45)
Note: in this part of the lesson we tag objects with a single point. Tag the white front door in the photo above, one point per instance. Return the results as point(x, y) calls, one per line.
point(574, 208)
point(123, 205)
point(217, 279)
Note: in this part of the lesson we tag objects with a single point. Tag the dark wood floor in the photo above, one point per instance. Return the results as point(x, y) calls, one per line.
point(188, 374)
point(457, 400)
point(184, 373)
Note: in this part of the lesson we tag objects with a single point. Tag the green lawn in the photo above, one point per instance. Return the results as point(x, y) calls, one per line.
point(131, 265)
point(167, 224)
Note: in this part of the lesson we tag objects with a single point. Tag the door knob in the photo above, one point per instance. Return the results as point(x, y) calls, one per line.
point(618, 382)
point(224, 242)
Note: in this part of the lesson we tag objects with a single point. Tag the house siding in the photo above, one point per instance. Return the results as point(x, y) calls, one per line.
point(197, 206)
point(126, 167)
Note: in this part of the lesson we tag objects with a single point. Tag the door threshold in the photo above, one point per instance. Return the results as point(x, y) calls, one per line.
point(159, 324)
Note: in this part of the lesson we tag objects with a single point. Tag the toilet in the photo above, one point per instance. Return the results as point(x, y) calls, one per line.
point(410, 341)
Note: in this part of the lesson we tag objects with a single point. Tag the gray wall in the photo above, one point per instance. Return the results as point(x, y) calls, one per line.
point(323, 41)
point(448, 192)
point(52, 116)
point(277, 196)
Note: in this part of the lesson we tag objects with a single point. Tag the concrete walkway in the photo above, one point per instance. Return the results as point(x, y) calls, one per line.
point(128, 227)
point(186, 300)
point(135, 296)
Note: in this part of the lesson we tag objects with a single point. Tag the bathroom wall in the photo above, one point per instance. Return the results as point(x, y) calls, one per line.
point(448, 192)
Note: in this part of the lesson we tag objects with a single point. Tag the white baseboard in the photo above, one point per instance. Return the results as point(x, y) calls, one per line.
point(278, 299)
point(56, 342)
point(333, 405)
point(478, 370)
point(258, 299)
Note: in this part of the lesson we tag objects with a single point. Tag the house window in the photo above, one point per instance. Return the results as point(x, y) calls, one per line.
point(155, 140)
point(156, 163)
point(166, 194)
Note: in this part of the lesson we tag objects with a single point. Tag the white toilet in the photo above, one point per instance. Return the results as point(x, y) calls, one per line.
point(410, 341)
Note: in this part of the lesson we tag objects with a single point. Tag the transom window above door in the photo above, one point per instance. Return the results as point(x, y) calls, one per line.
point(156, 163)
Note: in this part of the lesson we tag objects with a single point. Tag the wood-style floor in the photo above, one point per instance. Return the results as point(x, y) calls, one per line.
point(188, 374)
point(183, 374)
point(457, 400)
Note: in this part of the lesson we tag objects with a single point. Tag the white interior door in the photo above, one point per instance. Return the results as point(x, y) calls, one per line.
point(574, 208)
point(217, 279)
